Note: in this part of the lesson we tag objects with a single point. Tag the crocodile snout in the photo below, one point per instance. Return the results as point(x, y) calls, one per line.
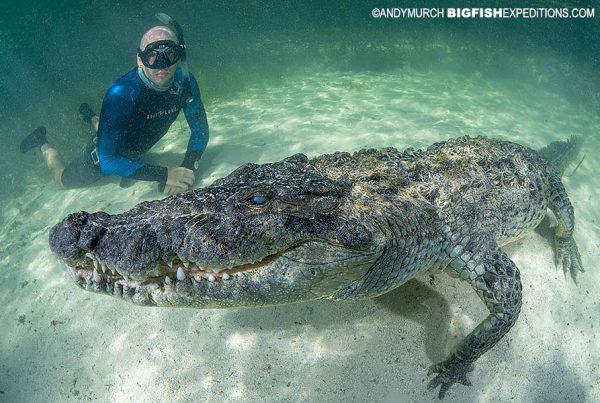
point(74, 236)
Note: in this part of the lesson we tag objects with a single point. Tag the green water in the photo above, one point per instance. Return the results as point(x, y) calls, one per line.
point(278, 79)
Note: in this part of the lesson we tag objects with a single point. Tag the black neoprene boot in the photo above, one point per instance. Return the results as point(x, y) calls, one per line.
point(86, 112)
point(34, 140)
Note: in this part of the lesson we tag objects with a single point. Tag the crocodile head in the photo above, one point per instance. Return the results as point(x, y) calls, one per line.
point(266, 234)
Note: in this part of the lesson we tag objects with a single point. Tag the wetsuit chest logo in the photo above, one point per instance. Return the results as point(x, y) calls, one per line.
point(161, 113)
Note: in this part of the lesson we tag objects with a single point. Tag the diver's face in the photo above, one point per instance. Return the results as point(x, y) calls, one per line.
point(160, 77)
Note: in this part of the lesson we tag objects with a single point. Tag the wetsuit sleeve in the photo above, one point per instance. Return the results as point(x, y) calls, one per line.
point(117, 107)
point(196, 118)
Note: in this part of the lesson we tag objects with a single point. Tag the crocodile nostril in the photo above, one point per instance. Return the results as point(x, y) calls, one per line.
point(76, 219)
point(90, 237)
point(74, 235)
point(64, 237)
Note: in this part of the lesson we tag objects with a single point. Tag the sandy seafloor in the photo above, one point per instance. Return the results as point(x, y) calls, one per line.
point(60, 343)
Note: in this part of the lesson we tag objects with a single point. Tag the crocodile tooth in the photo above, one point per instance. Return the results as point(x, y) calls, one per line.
point(72, 273)
point(96, 277)
point(168, 280)
point(104, 268)
point(216, 270)
point(170, 262)
point(95, 264)
point(225, 276)
point(88, 254)
point(186, 264)
point(211, 277)
point(180, 274)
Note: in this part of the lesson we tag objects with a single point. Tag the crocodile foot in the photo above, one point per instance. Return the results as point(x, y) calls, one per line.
point(449, 372)
point(567, 256)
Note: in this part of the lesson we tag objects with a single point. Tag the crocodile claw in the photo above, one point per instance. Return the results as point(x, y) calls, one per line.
point(567, 256)
point(448, 372)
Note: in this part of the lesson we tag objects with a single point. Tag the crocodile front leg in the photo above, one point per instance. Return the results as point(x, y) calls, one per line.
point(565, 248)
point(497, 282)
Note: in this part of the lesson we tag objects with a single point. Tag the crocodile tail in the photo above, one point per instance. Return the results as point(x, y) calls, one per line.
point(562, 153)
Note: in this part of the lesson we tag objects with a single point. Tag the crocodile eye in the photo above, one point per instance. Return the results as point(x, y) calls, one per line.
point(259, 199)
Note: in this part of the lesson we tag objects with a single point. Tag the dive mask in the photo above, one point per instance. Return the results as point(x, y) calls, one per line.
point(161, 54)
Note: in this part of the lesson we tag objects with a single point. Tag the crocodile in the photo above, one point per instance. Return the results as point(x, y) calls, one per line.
point(337, 226)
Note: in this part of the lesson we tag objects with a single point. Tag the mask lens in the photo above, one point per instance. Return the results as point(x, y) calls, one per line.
point(151, 57)
point(172, 55)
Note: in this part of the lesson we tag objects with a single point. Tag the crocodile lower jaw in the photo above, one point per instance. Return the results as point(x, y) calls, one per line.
point(99, 276)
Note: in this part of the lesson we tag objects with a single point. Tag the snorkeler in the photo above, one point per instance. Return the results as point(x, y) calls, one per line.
point(136, 113)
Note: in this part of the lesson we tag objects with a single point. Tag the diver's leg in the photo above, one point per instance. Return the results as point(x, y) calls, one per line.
point(89, 116)
point(82, 171)
point(567, 254)
point(497, 282)
point(94, 122)
point(54, 164)
point(37, 139)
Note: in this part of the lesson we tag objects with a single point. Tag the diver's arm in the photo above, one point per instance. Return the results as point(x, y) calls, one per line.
point(114, 115)
point(175, 179)
point(196, 118)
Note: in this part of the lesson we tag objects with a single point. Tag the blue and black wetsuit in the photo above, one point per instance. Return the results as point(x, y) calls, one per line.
point(134, 117)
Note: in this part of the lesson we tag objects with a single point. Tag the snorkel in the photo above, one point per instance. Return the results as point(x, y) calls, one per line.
point(171, 23)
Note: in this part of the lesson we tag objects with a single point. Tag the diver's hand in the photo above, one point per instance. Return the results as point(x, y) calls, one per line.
point(173, 190)
point(179, 178)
